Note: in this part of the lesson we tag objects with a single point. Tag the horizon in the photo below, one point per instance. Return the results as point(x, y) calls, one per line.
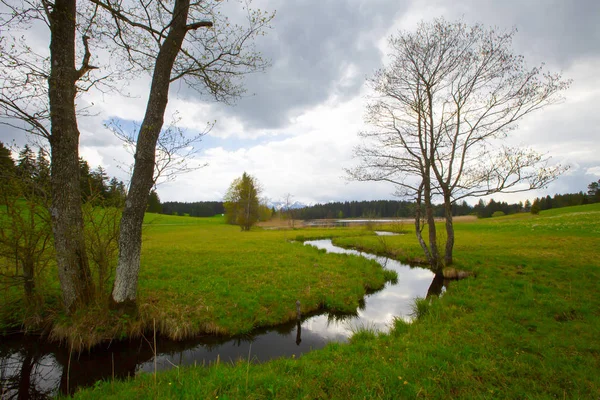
point(296, 127)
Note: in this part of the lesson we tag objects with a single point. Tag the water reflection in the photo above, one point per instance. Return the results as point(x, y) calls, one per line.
point(395, 300)
point(386, 233)
point(33, 368)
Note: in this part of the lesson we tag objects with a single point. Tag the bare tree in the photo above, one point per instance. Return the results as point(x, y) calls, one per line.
point(287, 204)
point(38, 91)
point(164, 38)
point(175, 149)
point(173, 42)
point(449, 96)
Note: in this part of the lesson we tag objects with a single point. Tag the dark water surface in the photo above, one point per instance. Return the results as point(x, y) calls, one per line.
point(30, 367)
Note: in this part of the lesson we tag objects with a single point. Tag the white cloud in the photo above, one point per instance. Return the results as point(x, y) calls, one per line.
point(593, 171)
point(296, 131)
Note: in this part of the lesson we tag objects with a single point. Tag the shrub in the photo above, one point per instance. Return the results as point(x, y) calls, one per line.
point(498, 214)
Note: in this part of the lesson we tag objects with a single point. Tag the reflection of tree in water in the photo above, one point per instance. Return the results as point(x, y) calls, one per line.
point(31, 367)
point(27, 373)
point(298, 332)
point(437, 285)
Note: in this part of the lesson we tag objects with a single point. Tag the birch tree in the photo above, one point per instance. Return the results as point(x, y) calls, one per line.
point(184, 41)
point(444, 105)
point(242, 203)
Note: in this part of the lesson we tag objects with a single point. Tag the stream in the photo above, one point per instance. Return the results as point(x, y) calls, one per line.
point(34, 368)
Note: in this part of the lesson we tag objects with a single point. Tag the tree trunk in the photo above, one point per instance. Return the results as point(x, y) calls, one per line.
point(429, 166)
point(130, 240)
point(29, 283)
point(434, 260)
point(418, 226)
point(67, 218)
point(449, 230)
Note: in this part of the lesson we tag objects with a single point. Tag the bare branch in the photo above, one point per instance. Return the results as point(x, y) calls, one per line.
point(85, 64)
point(450, 94)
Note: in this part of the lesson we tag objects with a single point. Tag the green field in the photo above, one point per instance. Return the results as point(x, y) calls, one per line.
point(200, 275)
point(526, 327)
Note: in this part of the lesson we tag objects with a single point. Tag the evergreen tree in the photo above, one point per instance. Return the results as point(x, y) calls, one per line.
point(7, 171)
point(116, 193)
point(26, 164)
point(6, 162)
point(535, 207)
point(154, 202)
point(594, 192)
point(42, 174)
point(98, 183)
point(84, 179)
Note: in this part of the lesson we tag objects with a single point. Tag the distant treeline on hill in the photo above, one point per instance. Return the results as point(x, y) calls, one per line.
point(405, 209)
point(371, 209)
point(357, 209)
point(196, 209)
point(567, 200)
point(396, 208)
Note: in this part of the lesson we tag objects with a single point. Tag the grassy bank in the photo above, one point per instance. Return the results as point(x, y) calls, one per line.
point(200, 275)
point(526, 327)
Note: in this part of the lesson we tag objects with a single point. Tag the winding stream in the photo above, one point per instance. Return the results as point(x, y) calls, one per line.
point(33, 368)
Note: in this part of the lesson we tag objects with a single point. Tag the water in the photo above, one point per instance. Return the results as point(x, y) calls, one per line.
point(352, 222)
point(33, 368)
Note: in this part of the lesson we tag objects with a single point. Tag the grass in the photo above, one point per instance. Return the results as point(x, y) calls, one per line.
point(200, 275)
point(526, 327)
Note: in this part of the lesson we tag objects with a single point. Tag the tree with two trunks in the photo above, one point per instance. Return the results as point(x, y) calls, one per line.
point(440, 113)
point(172, 41)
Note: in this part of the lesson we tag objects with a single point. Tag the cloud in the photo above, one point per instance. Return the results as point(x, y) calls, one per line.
point(593, 170)
point(557, 32)
point(318, 49)
point(296, 128)
point(309, 166)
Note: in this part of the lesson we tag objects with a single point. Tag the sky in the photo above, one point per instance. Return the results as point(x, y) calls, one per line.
point(295, 128)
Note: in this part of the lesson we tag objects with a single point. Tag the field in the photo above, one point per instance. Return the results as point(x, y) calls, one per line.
point(200, 275)
point(526, 327)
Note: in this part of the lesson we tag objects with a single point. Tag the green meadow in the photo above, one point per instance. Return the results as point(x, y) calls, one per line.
point(202, 276)
point(525, 327)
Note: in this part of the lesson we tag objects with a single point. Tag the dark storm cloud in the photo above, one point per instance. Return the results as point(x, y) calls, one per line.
point(313, 42)
point(557, 32)
point(311, 45)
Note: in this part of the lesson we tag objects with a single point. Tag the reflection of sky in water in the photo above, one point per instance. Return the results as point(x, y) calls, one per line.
point(395, 300)
point(386, 233)
point(47, 362)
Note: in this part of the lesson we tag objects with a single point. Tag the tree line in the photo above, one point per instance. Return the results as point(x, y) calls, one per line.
point(26, 236)
point(406, 209)
point(567, 200)
point(388, 208)
point(29, 176)
point(193, 209)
